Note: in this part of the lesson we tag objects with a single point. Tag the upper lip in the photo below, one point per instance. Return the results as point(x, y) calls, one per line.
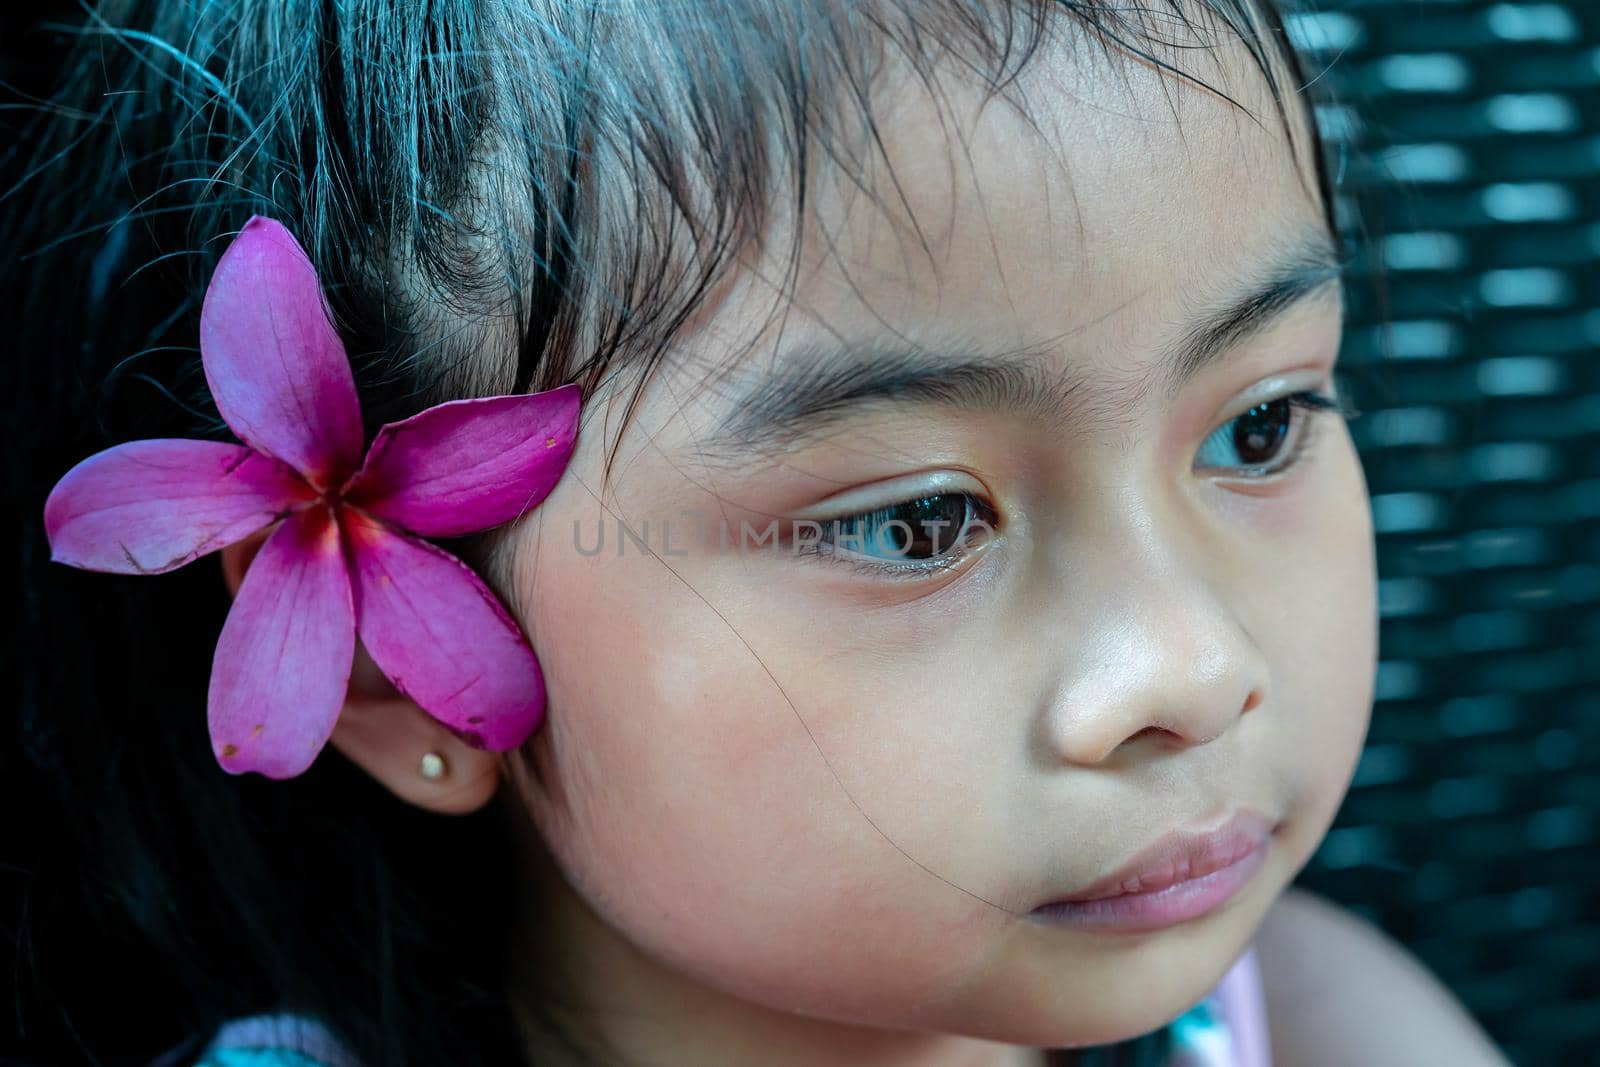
point(1180, 856)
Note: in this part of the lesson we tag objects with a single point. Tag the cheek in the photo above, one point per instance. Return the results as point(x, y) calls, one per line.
point(1328, 634)
point(689, 805)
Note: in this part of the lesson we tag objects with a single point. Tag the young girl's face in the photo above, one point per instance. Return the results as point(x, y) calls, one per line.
point(784, 784)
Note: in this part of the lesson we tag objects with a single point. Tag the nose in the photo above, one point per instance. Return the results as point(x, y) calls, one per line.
point(1166, 663)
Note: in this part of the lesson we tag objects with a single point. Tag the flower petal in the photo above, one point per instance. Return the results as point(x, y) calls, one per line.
point(282, 664)
point(276, 368)
point(148, 507)
point(443, 638)
point(467, 465)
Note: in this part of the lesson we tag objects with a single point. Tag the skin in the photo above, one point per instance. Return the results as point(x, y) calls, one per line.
point(1341, 991)
point(787, 811)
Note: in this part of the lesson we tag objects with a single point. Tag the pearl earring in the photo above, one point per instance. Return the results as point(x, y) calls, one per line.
point(432, 767)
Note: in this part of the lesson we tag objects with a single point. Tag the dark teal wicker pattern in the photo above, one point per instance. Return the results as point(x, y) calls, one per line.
point(1468, 135)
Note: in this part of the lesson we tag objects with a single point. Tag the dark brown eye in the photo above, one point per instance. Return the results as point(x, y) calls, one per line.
point(1258, 433)
point(1256, 439)
point(916, 530)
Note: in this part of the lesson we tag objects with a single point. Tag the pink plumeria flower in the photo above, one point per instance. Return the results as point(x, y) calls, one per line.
point(347, 556)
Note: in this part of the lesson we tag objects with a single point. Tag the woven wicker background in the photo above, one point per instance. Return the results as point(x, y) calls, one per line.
point(1471, 185)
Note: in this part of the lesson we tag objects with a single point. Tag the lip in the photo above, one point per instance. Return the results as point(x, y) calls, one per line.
point(1182, 875)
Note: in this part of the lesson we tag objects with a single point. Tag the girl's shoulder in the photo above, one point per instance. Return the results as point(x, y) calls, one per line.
point(1343, 991)
point(283, 1039)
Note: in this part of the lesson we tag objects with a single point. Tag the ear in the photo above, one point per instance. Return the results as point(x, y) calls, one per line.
point(386, 734)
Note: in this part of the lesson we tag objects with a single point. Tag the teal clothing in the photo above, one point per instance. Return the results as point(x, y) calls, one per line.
point(281, 1040)
point(258, 1057)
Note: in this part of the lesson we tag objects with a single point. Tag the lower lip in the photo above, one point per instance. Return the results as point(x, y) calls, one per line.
point(1139, 912)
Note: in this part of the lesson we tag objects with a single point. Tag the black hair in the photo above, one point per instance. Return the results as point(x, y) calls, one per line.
point(499, 197)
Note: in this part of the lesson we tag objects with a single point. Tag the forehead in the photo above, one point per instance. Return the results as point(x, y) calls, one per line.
point(1094, 194)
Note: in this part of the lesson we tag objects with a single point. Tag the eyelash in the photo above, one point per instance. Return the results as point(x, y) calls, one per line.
point(1311, 401)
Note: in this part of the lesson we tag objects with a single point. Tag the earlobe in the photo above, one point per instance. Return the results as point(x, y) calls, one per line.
point(388, 735)
point(414, 757)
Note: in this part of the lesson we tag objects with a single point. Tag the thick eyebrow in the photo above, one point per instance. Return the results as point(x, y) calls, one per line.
point(821, 382)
